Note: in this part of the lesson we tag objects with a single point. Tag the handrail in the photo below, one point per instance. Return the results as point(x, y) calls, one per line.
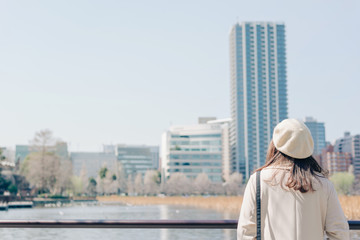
point(193, 224)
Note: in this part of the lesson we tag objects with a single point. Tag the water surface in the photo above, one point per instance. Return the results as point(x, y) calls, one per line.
point(119, 212)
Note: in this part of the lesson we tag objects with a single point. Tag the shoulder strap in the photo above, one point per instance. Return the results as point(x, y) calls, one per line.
point(258, 206)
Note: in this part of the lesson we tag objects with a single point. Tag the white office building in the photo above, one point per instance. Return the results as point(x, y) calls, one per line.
point(195, 149)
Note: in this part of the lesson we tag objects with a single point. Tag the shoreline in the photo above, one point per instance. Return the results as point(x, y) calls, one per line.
point(229, 205)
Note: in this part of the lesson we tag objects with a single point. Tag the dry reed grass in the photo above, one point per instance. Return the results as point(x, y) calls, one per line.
point(229, 205)
point(351, 206)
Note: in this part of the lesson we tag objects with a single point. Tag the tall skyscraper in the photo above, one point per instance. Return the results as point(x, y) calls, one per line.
point(317, 130)
point(258, 90)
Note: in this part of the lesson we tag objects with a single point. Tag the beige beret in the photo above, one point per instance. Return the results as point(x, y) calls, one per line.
point(293, 138)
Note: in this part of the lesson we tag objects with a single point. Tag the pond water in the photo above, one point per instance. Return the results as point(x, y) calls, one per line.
point(119, 212)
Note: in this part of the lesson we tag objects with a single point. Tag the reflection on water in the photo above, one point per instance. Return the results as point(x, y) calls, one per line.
point(171, 212)
point(116, 212)
point(164, 214)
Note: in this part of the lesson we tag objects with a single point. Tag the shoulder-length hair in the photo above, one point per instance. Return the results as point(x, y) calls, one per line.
point(301, 171)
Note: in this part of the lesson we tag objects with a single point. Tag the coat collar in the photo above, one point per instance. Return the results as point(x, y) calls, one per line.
point(279, 166)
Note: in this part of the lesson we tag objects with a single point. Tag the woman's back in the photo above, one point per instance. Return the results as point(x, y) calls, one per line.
point(298, 202)
point(290, 214)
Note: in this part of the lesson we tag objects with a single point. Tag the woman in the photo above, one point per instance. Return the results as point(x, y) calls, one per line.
point(297, 200)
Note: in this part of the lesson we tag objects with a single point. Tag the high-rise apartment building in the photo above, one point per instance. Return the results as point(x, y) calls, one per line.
point(258, 90)
point(335, 161)
point(317, 130)
point(350, 144)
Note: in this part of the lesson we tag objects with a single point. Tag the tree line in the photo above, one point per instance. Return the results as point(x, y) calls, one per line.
point(149, 184)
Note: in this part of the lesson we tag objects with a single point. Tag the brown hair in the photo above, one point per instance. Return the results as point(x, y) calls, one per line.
point(301, 171)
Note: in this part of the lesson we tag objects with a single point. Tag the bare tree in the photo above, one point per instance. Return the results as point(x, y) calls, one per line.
point(109, 183)
point(121, 178)
point(130, 186)
point(43, 140)
point(47, 161)
point(43, 168)
point(202, 184)
point(84, 179)
point(64, 174)
point(99, 185)
point(151, 182)
point(138, 184)
point(234, 185)
point(178, 184)
point(36, 164)
point(217, 189)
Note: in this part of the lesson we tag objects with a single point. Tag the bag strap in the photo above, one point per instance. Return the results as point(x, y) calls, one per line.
point(258, 206)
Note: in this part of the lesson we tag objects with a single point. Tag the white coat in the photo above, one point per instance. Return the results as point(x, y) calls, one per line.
point(292, 215)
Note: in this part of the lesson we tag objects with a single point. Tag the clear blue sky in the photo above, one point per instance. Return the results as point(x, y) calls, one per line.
point(111, 71)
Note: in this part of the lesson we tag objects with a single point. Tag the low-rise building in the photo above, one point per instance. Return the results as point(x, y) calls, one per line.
point(136, 159)
point(60, 149)
point(92, 162)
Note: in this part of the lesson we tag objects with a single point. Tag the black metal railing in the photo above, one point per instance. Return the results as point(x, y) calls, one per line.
point(193, 224)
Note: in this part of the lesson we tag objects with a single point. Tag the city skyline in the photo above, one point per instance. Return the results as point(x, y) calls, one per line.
point(102, 73)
